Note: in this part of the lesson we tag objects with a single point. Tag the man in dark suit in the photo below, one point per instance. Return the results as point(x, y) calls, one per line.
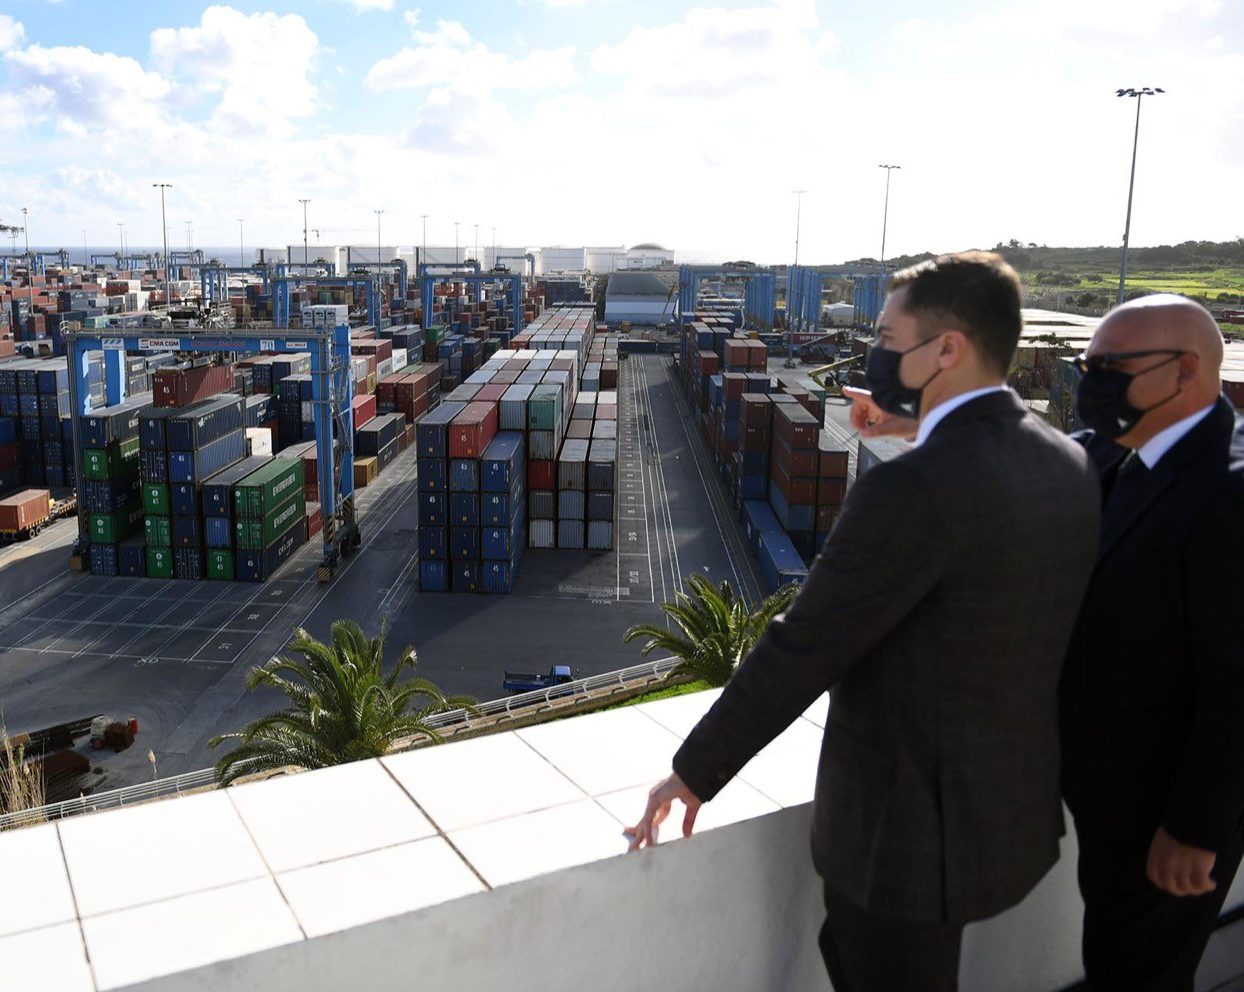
point(938, 614)
point(1153, 689)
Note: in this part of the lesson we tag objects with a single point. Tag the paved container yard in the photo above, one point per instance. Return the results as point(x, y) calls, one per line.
point(174, 654)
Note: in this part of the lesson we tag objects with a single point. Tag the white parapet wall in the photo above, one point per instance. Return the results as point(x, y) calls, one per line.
point(494, 863)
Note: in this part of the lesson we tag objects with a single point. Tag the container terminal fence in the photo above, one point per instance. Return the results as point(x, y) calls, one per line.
point(567, 696)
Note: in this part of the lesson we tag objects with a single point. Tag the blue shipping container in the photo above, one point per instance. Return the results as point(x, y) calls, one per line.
point(801, 516)
point(218, 532)
point(503, 543)
point(464, 509)
point(466, 576)
point(218, 489)
point(464, 475)
point(431, 432)
point(498, 576)
point(464, 543)
point(194, 427)
point(433, 576)
point(433, 542)
point(780, 563)
point(183, 499)
point(433, 510)
point(502, 463)
point(196, 466)
point(433, 475)
point(257, 566)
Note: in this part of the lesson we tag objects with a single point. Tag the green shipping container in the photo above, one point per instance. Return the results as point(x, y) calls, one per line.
point(159, 562)
point(544, 408)
point(268, 489)
point(155, 498)
point(259, 532)
point(158, 531)
point(117, 459)
point(113, 528)
point(220, 564)
point(433, 334)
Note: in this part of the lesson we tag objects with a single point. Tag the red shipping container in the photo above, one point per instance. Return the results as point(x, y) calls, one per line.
point(310, 468)
point(736, 353)
point(606, 411)
point(505, 378)
point(833, 459)
point(181, 387)
point(364, 409)
point(311, 491)
point(25, 509)
point(386, 388)
point(757, 411)
point(794, 462)
point(315, 520)
point(471, 431)
point(798, 491)
point(734, 385)
point(825, 517)
point(757, 356)
point(794, 425)
point(376, 350)
point(8, 455)
point(491, 392)
point(542, 474)
point(831, 492)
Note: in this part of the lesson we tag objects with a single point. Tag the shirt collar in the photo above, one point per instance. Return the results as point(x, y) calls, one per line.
point(943, 409)
point(1151, 451)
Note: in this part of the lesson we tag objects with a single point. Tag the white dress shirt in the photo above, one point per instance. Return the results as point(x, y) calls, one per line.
point(939, 412)
point(1151, 451)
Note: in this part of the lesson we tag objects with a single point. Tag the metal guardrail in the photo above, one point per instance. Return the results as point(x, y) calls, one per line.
point(511, 706)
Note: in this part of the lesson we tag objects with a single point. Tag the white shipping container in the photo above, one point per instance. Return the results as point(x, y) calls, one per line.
point(259, 440)
point(540, 533)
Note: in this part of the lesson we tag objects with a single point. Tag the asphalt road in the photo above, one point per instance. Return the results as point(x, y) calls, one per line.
point(175, 654)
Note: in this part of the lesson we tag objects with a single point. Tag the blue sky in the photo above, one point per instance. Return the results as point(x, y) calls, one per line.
point(609, 122)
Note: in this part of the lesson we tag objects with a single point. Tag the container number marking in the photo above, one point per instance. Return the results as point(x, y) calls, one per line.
point(267, 344)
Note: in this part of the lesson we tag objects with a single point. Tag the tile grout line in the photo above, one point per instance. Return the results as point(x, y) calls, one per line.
point(267, 867)
point(441, 833)
point(77, 913)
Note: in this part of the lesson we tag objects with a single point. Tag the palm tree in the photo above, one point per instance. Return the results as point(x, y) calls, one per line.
point(342, 707)
point(717, 628)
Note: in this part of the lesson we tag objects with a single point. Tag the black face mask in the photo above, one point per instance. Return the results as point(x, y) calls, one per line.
point(1101, 398)
point(881, 375)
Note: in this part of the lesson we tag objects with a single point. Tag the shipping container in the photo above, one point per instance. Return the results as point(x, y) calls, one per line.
point(115, 459)
point(219, 564)
point(472, 430)
point(259, 532)
point(25, 510)
point(600, 535)
point(204, 462)
point(99, 428)
point(268, 488)
point(112, 528)
point(196, 426)
point(159, 562)
point(182, 387)
point(217, 493)
point(432, 432)
point(433, 576)
point(260, 565)
point(502, 463)
point(158, 531)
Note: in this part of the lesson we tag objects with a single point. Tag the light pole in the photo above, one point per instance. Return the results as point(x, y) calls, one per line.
point(798, 211)
point(477, 242)
point(26, 228)
point(304, 235)
point(189, 235)
point(168, 292)
point(455, 244)
point(121, 230)
point(494, 247)
point(86, 254)
point(241, 242)
point(885, 214)
point(424, 218)
point(378, 258)
point(1139, 93)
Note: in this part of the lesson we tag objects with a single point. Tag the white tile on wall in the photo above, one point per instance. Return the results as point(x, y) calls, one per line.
point(605, 752)
point(524, 846)
point(162, 938)
point(352, 891)
point(304, 819)
point(737, 801)
point(34, 886)
point(51, 959)
point(155, 851)
point(506, 777)
point(680, 714)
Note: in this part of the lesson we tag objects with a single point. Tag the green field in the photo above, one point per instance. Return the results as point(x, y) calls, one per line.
point(1206, 283)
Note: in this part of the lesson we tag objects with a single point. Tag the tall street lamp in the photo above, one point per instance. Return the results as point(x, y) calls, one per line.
point(121, 231)
point(1139, 93)
point(885, 213)
point(86, 254)
point(378, 258)
point(168, 292)
point(189, 235)
point(455, 244)
point(26, 228)
point(477, 242)
point(304, 235)
point(798, 211)
point(424, 218)
point(241, 242)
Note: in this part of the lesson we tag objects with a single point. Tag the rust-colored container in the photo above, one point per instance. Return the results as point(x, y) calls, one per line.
point(364, 409)
point(472, 429)
point(181, 387)
point(24, 510)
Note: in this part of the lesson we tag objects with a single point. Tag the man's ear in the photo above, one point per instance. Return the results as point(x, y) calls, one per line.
point(1189, 367)
point(954, 348)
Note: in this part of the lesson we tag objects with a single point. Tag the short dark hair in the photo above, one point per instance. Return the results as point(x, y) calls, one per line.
point(976, 292)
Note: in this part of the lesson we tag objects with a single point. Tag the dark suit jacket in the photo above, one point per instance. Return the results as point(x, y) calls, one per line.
point(1153, 690)
point(939, 613)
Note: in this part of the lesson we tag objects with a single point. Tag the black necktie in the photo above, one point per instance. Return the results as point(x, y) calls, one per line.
point(1128, 480)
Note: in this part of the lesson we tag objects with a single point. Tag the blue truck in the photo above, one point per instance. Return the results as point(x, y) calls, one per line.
point(533, 681)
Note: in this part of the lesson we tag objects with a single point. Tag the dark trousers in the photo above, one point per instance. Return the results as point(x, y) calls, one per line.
point(867, 953)
point(1137, 937)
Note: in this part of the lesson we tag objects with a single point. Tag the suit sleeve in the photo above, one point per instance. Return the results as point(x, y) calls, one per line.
point(1206, 805)
point(885, 553)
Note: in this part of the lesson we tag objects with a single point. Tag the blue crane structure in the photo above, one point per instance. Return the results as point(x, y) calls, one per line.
point(332, 390)
point(759, 292)
point(131, 263)
point(469, 272)
point(282, 282)
point(192, 258)
point(397, 265)
point(805, 289)
point(36, 261)
point(530, 258)
point(214, 280)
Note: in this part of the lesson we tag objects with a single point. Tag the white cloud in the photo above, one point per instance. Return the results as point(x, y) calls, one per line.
point(448, 58)
point(365, 5)
point(12, 33)
point(257, 66)
point(84, 90)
